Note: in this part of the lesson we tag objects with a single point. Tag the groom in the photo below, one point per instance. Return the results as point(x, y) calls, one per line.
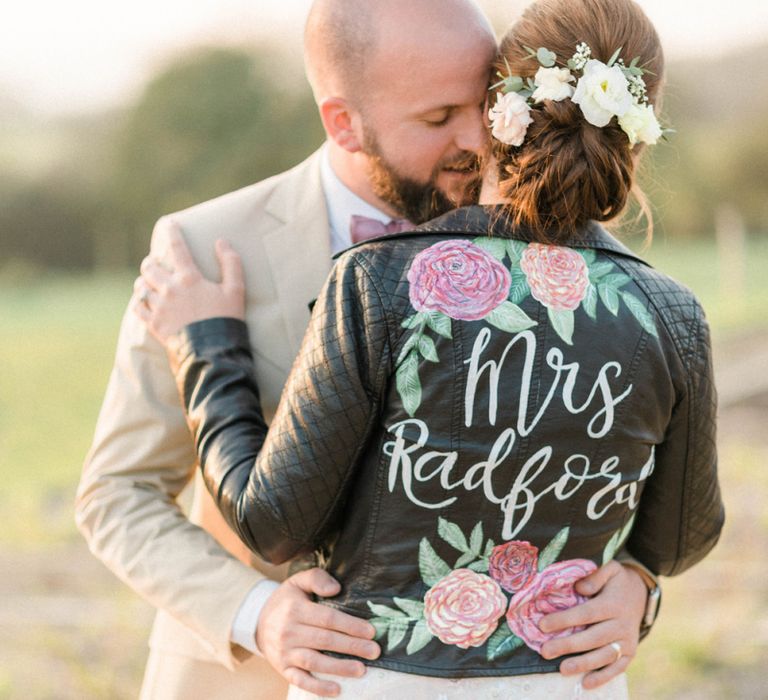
point(400, 87)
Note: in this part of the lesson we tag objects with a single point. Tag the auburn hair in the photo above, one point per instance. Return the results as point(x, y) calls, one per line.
point(568, 171)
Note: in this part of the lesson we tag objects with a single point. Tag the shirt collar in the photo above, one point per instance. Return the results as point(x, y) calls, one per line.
point(342, 205)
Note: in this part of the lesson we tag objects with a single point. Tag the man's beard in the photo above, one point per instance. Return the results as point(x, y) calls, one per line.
point(416, 201)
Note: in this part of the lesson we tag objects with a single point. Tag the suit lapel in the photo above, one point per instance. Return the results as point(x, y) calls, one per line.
point(299, 249)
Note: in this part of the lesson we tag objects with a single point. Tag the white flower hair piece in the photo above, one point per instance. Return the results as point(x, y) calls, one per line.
point(603, 91)
point(510, 118)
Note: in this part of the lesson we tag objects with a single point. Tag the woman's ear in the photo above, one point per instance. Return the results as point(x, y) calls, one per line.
point(341, 123)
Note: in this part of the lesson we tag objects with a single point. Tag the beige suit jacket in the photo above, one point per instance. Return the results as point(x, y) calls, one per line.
point(191, 566)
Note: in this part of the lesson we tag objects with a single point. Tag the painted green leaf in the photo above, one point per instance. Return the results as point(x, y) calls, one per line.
point(589, 255)
point(480, 566)
point(431, 567)
point(610, 298)
point(464, 559)
point(427, 348)
point(409, 345)
point(489, 545)
point(610, 548)
point(562, 322)
point(589, 302)
point(384, 611)
point(502, 642)
point(420, 637)
point(439, 323)
point(519, 290)
point(644, 317)
point(617, 541)
point(412, 321)
point(600, 269)
point(510, 318)
point(396, 634)
point(452, 534)
point(616, 280)
point(546, 57)
point(476, 539)
point(626, 530)
point(381, 625)
point(495, 246)
point(408, 383)
point(551, 552)
point(412, 608)
point(515, 250)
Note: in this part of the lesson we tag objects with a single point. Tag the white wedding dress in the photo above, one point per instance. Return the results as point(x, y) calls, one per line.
point(378, 684)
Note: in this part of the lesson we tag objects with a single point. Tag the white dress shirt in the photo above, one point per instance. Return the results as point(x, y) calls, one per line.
point(342, 205)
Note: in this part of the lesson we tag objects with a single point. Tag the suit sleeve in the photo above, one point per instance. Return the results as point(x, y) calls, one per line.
point(281, 489)
point(684, 482)
point(141, 459)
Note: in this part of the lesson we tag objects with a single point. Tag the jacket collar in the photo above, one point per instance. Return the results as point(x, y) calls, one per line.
point(479, 220)
point(298, 247)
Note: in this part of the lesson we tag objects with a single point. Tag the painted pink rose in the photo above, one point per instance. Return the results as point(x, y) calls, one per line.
point(548, 592)
point(513, 564)
point(558, 276)
point(463, 608)
point(459, 279)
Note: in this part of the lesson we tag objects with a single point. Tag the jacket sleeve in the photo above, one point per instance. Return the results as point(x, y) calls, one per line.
point(280, 490)
point(141, 459)
point(681, 512)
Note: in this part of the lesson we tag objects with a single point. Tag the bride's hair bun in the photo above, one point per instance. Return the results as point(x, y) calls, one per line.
point(568, 171)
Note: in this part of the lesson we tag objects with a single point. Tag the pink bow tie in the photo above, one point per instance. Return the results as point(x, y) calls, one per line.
point(364, 229)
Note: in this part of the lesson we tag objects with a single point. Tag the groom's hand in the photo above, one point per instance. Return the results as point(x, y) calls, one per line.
point(612, 615)
point(293, 631)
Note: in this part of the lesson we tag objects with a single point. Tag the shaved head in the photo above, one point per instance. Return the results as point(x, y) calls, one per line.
point(401, 86)
point(344, 38)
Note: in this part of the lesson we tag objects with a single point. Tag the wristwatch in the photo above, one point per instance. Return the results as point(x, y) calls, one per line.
point(653, 602)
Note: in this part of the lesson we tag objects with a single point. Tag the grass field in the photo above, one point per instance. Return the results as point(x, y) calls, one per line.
point(57, 339)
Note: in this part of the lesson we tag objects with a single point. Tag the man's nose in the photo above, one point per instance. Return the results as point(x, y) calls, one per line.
point(471, 134)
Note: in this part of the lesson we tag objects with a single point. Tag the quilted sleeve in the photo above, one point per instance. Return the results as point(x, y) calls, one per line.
point(280, 489)
point(681, 512)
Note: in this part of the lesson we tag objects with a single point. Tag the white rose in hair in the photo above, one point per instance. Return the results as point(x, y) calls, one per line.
point(641, 125)
point(510, 117)
point(552, 84)
point(602, 93)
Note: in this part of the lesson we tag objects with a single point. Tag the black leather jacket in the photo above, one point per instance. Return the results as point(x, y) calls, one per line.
point(472, 424)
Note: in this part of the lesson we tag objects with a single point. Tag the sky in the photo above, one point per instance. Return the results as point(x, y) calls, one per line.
point(81, 55)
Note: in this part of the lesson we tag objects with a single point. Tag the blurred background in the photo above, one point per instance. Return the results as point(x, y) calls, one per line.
point(114, 114)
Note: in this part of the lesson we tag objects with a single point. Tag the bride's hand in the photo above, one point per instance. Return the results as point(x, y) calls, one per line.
point(166, 301)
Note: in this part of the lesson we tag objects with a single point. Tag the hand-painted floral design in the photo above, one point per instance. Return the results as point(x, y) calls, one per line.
point(513, 564)
point(465, 603)
point(550, 591)
point(463, 281)
point(464, 608)
point(558, 276)
point(459, 279)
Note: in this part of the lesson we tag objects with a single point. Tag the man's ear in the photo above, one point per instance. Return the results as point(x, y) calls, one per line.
point(341, 123)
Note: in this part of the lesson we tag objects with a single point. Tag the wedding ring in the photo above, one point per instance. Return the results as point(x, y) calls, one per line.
point(617, 648)
point(144, 297)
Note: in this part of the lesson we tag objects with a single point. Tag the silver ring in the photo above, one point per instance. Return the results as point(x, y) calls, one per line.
point(617, 648)
point(144, 297)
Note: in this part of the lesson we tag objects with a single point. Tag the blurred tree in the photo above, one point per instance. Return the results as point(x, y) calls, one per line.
point(213, 121)
point(48, 222)
point(85, 192)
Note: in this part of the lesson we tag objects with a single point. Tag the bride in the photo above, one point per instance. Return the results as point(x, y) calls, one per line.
point(486, 409)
